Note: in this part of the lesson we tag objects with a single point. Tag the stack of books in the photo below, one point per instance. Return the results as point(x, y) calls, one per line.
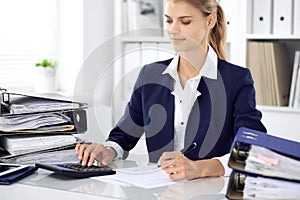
point(271, 71)
point(264, 167)
point(31, 125)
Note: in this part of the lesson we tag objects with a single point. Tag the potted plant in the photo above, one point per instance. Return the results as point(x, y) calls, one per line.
point(45, 76)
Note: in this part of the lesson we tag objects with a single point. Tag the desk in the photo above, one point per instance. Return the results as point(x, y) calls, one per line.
point(44, 185)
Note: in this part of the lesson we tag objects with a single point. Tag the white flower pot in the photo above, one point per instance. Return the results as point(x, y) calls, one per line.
point(44, 80)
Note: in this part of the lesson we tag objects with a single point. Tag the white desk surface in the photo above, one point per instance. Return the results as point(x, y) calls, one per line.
point(44, 185)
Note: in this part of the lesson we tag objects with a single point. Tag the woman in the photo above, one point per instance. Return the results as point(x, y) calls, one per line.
point(196, 97)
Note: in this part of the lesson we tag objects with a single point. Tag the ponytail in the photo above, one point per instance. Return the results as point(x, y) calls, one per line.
point(217, 38)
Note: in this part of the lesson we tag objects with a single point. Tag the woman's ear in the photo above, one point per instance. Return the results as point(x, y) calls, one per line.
point(211, 20)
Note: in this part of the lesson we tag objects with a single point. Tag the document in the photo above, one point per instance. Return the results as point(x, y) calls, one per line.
point(269, 163)
point(145, 177)
point(265, 188)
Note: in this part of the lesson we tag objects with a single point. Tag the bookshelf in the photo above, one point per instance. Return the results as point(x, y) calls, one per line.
point(282, 121)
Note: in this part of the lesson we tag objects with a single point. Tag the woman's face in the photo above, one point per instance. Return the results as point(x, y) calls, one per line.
point(187, 27)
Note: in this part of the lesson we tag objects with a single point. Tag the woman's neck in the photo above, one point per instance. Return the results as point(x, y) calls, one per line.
point(190, 63)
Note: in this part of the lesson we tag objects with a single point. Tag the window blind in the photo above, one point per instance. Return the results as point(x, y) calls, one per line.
point(28, 34)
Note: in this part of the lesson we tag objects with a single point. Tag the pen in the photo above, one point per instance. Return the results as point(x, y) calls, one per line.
point(187, 149)
point(84, 142)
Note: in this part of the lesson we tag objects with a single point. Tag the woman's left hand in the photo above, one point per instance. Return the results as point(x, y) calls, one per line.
point(180, 167)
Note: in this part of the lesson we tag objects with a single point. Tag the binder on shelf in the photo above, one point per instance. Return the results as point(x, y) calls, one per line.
point(229, 7)
point(262, 16)
point(282, 17)
point(296, 26)
point(297, 92)
point(295, 83)
point(261, 158)
point(25, 113)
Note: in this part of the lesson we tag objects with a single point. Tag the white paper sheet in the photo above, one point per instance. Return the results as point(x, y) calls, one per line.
point(146, 177)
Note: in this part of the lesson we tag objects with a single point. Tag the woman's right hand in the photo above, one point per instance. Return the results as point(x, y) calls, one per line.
point(89, 153)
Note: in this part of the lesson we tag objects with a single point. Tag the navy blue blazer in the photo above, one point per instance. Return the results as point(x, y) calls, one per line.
point(225, 105)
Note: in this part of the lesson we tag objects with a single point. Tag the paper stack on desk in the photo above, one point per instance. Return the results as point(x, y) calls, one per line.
point(35, 124)
point(263, 163)
point(20, 145)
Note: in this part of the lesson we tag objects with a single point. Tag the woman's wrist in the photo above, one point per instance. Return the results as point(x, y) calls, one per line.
point(210, 168)
point(111, 151)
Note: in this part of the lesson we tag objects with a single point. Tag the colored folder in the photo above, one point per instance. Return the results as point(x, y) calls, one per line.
point(16, 176)
point(262, 156)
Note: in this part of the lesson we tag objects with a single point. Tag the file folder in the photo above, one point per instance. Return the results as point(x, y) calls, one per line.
point(235, 186)
point(14, 104)
point(242, 147)
point(22, 103)
point(282, 17)
point(241, 186)
point(294, 82)
point(244, 141)
point(262, 16)
point(296, 17)
point(17, 175)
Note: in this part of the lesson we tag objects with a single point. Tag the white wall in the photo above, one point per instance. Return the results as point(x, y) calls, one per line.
point(70, 43)
point(98, 31)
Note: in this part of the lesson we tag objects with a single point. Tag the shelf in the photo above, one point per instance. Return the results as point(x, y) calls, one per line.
point(272, 37)
point(141, 39)
point(279, 109)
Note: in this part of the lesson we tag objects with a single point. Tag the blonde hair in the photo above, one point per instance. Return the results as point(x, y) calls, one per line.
point(217, 37)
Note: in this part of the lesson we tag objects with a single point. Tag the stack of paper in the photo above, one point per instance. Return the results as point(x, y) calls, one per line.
point(38, 127)
point(272, 164)
point(265, 188)
point(56, 156)
point(32, 122)
point(31, 105)
point(18, 145)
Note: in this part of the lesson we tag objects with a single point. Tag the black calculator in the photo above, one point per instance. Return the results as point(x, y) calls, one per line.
point(76, 170)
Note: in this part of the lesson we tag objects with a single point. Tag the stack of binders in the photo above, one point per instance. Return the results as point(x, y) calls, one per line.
point(264, 167)
point(32, 126)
